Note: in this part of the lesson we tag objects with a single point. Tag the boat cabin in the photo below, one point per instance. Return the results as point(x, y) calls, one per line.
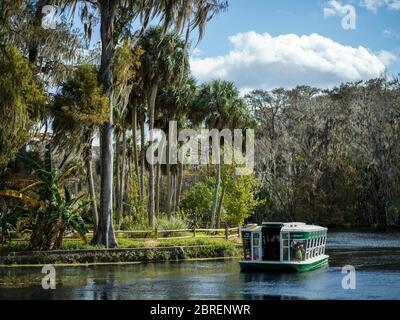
point(283, 242)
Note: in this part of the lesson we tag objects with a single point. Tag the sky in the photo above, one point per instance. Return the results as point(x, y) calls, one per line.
point(266, 44)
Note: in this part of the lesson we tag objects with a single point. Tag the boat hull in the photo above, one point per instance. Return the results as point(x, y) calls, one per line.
point(249, 266)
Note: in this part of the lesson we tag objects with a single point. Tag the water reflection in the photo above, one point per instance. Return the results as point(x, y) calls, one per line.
point(378, 268)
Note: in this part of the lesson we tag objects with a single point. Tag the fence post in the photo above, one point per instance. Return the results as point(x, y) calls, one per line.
point(194, 232)
point(226, 232)
point(239, 231)
point(156, 232)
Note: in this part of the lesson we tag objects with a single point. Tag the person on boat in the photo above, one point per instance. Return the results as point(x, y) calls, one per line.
point(298, 251)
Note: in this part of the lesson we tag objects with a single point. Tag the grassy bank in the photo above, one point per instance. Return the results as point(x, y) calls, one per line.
point(75, 252)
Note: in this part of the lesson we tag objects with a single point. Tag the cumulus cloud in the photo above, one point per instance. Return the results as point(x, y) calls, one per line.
point(374, 5)
point(387, 57)
point(263, 61)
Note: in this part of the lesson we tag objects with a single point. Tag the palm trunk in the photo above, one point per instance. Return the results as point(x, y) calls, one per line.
point(179, 186)
point(117, 177)
point(151, 207)
point(135, 151)
point(220, 205)
point(173, 195)
point(91, 188)
point(168, 185)
point(142, 157)
point(157, 195)
point(106, 234)
point(122, 180)
point(216, 191)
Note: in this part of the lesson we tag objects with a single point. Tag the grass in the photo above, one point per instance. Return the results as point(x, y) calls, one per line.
point(17, 246)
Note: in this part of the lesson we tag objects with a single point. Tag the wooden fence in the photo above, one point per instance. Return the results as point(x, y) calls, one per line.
point(156, 234)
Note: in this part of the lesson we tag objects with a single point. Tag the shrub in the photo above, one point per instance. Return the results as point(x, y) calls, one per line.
point(197, 204)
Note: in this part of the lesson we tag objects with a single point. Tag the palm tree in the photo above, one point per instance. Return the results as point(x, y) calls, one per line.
point(113, 13)
point(176, 103)
point(164, 62)
point(218, 106)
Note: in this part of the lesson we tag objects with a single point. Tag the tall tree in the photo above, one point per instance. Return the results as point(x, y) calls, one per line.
point(79, 110)
point(164, 62)
point(116, 19)
point(218, 106)
point(21, 96)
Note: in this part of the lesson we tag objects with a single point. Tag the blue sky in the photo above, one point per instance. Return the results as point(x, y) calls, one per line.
point(301, 18)
point(284, 43)
point(377, 30)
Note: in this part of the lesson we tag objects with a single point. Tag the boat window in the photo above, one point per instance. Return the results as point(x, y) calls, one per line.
point(272, 244)
point(256, 239)
point(247, 249)
point(256, 246)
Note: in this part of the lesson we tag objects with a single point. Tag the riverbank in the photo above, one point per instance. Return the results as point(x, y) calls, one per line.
point(132, 252)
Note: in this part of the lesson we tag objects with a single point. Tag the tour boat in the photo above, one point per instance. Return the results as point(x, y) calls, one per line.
point(276, 246)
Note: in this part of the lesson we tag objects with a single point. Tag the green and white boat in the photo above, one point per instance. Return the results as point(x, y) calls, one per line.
point(277, 246)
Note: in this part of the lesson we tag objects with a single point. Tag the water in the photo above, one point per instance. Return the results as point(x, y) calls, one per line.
point(376, 258)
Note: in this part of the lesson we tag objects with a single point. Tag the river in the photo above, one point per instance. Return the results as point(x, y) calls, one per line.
point(375, 256)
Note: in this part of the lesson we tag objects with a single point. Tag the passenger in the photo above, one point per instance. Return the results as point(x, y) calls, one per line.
point(298, 252)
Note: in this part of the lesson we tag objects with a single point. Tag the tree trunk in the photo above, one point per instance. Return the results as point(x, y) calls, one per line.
point(122, 179)
point(91, 188)
point(142, 156)
point(106, 234)
point(151, 207)
point(173, 195)
point(117, 176)
point(157, 195)
point(135, 151)
point(216, 191)
point(179, 186)
point(168, 184)
point(220, 205)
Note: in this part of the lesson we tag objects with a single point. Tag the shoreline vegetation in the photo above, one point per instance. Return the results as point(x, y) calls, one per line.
point(74, 252)
point(130, 251)
point(321, 156)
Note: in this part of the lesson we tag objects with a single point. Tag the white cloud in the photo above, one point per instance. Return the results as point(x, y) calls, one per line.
point(263, 61)
point(374, 5)
point(387, 57)
point(335, 8)
point(390, 33)
point(196, 52)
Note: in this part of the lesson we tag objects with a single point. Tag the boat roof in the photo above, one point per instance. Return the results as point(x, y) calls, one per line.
point(287, 226)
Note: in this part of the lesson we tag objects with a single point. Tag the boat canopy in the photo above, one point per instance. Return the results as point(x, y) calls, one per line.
point(284, 242)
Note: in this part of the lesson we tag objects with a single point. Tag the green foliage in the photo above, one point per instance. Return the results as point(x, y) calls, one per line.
point(174, 223)
point(165, 58)
point(52, 208)
point(197, 204)
point(8, 222)
point(218, 105)
point(240, 201)
point(21, 99)
point(80, 108)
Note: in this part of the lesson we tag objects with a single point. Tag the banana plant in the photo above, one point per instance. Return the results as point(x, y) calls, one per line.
point(8, 222)
point(52, 208)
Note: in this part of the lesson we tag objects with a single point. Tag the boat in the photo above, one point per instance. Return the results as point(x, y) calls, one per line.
point(278, 246)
